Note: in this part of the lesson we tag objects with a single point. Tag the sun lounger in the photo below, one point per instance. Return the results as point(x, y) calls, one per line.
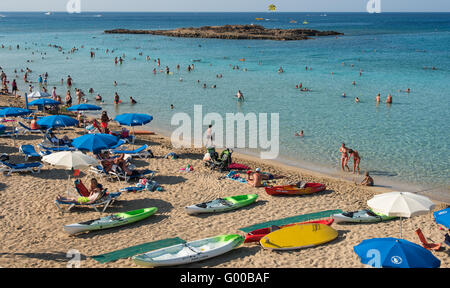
point(425, 244)
point(28, 129)
point(447, 239)
point(105, 200)
point(9, 168)
point(47, 150)
point(9, 133)
point(29, 151)
point(120, 175)
point(139, 152)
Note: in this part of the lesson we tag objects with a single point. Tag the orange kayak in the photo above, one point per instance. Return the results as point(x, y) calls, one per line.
point(309, 188)
point(143, 132)
point(256, 235)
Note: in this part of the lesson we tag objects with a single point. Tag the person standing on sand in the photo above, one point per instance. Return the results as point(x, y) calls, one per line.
point(356, 159)
point(68, 99)
point(344, 157)
point(14, 87)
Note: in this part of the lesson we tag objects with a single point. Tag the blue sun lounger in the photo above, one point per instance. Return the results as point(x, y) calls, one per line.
point(139, 152)
point(29, 151)
point(28, 129)
point(8, 168)
point(45, 150)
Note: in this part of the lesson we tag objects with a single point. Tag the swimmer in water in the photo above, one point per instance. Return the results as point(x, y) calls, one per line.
point(280, 70)
point(389, 99)
point(344, 95)
point(116, 98)
point(378, 99)
point(98, 97)
point(132, 100)
point(240, 96)
point(356, 160)
point(356, 100)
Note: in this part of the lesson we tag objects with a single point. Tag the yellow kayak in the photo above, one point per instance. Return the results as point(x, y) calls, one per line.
point(299, 236)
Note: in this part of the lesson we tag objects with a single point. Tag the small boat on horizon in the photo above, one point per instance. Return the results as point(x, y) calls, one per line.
point(305, 22)
point(48, 13)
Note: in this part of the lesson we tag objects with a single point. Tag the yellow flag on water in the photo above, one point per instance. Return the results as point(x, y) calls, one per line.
point(272, 7)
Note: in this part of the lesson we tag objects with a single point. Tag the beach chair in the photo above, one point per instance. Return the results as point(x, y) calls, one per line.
point(139, 152)
point(29, 151)
point(447, 239)
point(425, 244)
point(9, 168)
point(120, 175)
point(47, 150)
point(29, 130)
point(105, 200)
point(11, 134)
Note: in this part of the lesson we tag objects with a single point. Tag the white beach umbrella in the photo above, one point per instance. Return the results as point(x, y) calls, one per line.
point(39, 94)
point(401, 204)
point(70, 160)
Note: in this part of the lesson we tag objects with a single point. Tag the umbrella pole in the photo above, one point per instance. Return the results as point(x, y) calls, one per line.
point(401, 223)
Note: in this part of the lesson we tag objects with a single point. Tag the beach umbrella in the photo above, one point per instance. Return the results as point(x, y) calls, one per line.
point(14, 112)
point(95, 142)
point(43, 101)
point(84, 107)
point(133, 119)
point(400, 204)
point(395, 253)
point(38, 94)
point(70, 160)
point(55, 121)
point(442, 217)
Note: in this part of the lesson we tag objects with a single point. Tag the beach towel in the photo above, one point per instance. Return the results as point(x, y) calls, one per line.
point(233, 175)
point(135, 250)
point(237, 166)
point(290, 220)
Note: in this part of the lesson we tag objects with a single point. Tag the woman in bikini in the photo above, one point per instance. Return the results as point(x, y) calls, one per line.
point(344, 157)
point(356, 159)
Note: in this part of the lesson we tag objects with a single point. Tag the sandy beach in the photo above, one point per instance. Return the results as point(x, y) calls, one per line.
point(31, 227)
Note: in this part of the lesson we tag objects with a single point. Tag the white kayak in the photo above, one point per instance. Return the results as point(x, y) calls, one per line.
point(190, 252)
point(361, 216)
point(222, 204)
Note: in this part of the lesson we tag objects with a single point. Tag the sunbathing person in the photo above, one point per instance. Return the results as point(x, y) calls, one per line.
point(254, 179)
point(108, 163)
point(95, 193)
point(55, 141)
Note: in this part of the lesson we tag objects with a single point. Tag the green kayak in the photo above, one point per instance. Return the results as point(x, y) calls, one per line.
point(110, 221)
point(222, 204)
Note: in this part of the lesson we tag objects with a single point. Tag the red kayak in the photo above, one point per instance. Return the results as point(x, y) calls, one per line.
point(256, 235)
point(308, 188)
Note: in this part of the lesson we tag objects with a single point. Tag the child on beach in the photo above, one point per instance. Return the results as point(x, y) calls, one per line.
point(368, 181)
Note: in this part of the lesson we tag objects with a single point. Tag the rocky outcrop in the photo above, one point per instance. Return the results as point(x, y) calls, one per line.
point(256, 32)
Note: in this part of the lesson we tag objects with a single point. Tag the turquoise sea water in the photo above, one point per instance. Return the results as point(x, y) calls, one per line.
point(406, 142)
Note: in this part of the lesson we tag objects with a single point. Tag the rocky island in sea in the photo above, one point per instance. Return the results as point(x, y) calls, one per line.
point(256, 32)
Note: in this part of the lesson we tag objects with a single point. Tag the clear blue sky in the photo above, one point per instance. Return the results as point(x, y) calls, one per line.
point(228, 5)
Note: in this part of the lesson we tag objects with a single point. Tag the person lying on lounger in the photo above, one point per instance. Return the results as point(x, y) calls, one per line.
point(59, 142)
point(108, 163)
point(95, 193)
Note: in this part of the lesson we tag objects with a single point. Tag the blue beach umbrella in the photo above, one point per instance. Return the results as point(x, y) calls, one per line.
point(95, 142)
point(14, 112)
point(44, 101)
point(55, 121)
point(84, 107)
point(133, 119)
point(395, 253)
point(442, 217)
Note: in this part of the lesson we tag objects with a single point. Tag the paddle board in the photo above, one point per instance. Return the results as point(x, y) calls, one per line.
point(256, 235)
point(143, 132)
point(190, 252)
point(298, 236)
point(110, 221)
point(222, 204)
point(361, 216)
